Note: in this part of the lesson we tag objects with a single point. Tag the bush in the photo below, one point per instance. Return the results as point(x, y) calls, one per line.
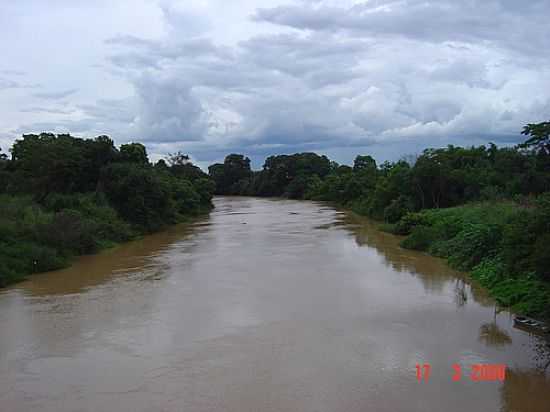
point(34, 238)
point(24, 257)
point(420, 238)
point(406, 224)
point(474, 243)
point(524, 295)
point(362, 206)
point(518, 239)
point(489, 272)
point(397, 209)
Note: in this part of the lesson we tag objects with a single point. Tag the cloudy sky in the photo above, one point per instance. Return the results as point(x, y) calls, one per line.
point(339, 77)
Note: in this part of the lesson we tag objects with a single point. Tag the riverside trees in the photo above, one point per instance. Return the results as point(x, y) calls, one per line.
point(485, 209)
point(61, 195)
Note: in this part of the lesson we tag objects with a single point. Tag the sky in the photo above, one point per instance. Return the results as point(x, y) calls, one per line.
point(338, 77)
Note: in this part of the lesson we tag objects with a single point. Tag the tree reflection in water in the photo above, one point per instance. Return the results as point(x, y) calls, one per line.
point(492, 335)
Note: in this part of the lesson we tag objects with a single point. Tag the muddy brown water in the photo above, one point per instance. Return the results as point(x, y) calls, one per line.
point(265, 305)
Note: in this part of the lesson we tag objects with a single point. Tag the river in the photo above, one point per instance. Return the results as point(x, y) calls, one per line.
point(265, 305)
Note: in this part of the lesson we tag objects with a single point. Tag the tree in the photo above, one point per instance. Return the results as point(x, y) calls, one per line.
point(230, 175)
point(182, 167)
point(139, 194)
point(4, 175)
point(134, 153)
point(539, 139)
point(364, 163)
point(47, 163)
point(176, 159)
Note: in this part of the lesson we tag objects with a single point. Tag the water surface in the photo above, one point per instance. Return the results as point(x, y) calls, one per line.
point(265, 305)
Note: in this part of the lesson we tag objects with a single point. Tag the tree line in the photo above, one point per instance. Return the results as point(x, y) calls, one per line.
point(486, 208)
point(62, 196)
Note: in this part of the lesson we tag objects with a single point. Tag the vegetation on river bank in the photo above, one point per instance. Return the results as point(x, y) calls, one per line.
point(62, 196)
point(486, 209)
point(504, 246)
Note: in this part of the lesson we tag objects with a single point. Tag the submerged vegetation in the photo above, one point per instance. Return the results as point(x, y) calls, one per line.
point(62, 196)
point(485, 209)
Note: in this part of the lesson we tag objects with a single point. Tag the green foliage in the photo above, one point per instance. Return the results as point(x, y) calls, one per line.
point(291, 176)
point(229, 176)
point(505, 245)
point(472, 244)
point(140, 195)
point(489, 272)
point(65, 196)
point(525, 293)
point(397, 209)
point(205, 188)
point(421, 238)
point(46, 163)
point(36, 238)
point(539, 137)
point(181, 167)
point(409, 221)
point(134, 153)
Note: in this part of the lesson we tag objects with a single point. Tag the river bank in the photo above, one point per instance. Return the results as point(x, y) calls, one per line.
point(63, 196)
point(37, 238)
point(495, 242)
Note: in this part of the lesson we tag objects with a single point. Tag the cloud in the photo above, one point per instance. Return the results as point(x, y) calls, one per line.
point(498, 22)
point(55, 95)
point(12, 84)
point(335, 76)
point(51, 110)
point(81, 126)
point(11, 72)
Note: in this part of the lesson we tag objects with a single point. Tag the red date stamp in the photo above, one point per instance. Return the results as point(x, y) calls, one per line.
point(479, 372)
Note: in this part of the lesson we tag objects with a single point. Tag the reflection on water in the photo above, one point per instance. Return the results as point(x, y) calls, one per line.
point(265, 305)
point(491, 334)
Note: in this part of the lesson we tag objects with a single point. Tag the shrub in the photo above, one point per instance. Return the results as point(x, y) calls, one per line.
point(489, 271)
point(406, 224)
point(397, 209)
point(421, 238)
point(524, 295)
point(472, 244)
point(518, 239)
point(362, 206)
